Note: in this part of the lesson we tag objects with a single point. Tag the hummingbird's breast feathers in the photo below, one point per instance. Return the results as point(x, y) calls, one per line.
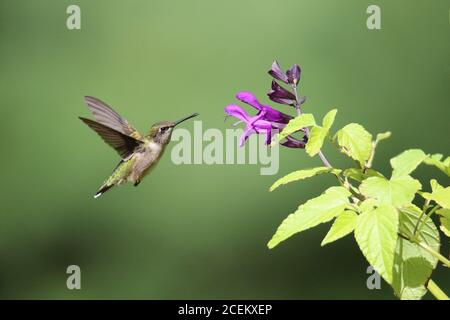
point(146, 158)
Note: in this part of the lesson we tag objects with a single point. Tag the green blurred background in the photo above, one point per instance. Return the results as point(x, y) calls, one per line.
point(198, 231)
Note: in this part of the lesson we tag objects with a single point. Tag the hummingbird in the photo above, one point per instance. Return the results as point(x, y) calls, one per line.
point(139, 153)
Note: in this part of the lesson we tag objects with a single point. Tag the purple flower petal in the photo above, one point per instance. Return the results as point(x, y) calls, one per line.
point(273, 115)
point(277, 73)
point(237, 112)
point(268, 136)
point(249, 98)
point(245, 135)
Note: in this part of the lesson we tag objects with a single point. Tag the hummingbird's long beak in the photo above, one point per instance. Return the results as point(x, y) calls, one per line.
point(184, 119)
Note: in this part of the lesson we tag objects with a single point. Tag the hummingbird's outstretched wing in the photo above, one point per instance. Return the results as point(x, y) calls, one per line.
point(105, 115)
point(124, 145)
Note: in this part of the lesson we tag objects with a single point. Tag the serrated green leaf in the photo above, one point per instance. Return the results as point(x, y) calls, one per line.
point(376, 235)
point(315, 211)
point(435, 160)
point(296, 124)
point(300, 175)
point(356, 142)
point(396, 191)
point(359, 175)
point(445, 220)
point(382, 136)
point(411, 293)
point(441, 196)
point(413, 265)
point(318, 134)
point(315, 141)
point(342, 226)
point(407, 162)
point(367, 205)
point(328, 120)
point(435, 185)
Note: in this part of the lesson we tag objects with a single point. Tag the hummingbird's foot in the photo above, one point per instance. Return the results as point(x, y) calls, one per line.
point(137, 183)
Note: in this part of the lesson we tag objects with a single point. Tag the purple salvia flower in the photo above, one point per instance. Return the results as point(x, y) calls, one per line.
point(266, 112)
point(253, 124)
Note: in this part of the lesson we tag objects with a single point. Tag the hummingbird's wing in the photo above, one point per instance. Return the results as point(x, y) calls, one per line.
point(108, 117)
point(122, 143)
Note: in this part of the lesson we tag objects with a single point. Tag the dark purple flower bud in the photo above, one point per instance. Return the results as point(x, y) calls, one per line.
point(277, 73)
point(293, 143)
point(293, 74)
point(280, 95)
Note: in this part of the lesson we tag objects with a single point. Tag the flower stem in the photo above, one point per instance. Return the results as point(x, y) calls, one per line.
point(436, 291)
point(298, 108)
point(324, 159)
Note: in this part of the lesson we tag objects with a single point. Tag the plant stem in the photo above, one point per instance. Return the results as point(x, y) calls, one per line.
point(424, 209)
point(420, 226)
point(324, 159)
point(425, 246)
point(372, 156)
point(436, 291)
point(436, 254)
point(298, 108)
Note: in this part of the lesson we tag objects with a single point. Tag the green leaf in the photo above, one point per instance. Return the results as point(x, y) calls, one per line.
point(413, 265)
point(315, 211)
point(407, 162)
point(318, 134)
point(342, 226)
point(359, 174)
point(296, 124)
point(376, 235)
point(382, 136)
point(328, 120)
point(355, 142)
point(440, 195)
point(315, 141)
point(396, 191)
point(301, 175)
point(435, 185)
point(435, 160)
point(367, 205)
point(445, 220)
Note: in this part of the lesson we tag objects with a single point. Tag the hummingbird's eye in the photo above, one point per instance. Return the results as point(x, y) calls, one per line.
point(163, 129)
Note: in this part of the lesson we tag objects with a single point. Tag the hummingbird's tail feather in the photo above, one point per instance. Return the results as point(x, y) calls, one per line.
point(102, 190)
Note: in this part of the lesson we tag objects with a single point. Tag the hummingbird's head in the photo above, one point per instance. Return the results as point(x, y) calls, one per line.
point(161, 132)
